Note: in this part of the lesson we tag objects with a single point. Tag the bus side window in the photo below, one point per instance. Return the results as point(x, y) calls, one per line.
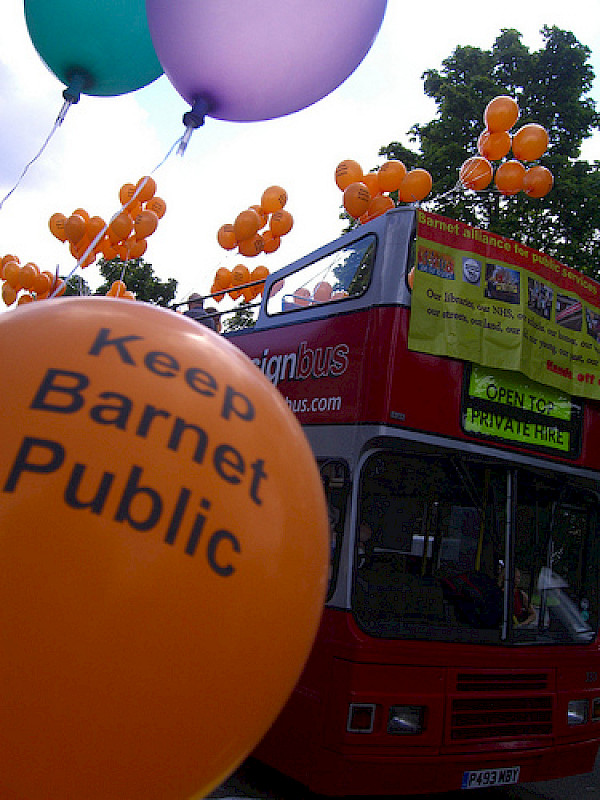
point(336, 485)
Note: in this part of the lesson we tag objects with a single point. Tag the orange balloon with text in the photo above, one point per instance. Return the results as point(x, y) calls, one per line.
point(356, 199)
point(347, 171)
point(165, 564)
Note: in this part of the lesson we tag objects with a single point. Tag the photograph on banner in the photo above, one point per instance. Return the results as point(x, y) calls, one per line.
point(490, 300)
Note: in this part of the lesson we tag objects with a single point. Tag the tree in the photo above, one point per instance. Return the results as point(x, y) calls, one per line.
point(140, 279)
point(552, 88)
point(242, 317)
point(77, 287)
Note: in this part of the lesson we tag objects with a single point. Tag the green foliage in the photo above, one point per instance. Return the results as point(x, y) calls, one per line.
point(552, 88)
point(243, 317)
point(77, 287)
point(139, 278)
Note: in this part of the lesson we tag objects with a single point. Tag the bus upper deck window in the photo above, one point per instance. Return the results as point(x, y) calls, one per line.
point(338, 276)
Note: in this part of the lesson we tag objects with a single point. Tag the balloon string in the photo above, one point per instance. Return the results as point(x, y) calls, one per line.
point(101, 233)
point(33, 160)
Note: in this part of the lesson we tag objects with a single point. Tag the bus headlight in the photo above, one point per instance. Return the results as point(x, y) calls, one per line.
point(577, 712)
point(406, 720)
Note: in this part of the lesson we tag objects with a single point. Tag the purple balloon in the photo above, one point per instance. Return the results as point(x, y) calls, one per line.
point(260, 59)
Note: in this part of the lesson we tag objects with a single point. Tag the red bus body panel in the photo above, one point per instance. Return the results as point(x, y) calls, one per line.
point(346, 369)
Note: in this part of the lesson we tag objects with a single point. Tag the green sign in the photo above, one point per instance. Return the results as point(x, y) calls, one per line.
point(509, 407)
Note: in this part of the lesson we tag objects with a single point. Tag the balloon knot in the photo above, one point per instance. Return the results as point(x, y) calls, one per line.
point(72, 93)
point(192, 119)
point(195, 118)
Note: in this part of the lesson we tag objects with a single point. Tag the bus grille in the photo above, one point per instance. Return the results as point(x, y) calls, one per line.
point(501, 682)
point(507, 713)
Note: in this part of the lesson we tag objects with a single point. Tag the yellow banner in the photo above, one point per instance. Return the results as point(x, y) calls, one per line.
point(492, 301)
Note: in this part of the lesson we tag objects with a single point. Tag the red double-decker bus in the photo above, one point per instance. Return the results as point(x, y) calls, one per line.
point(458, 645)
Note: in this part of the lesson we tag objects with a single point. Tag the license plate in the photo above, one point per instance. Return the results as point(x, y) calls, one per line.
point(478, 778)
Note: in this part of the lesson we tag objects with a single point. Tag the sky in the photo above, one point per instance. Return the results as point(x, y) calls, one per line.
point(105, 142)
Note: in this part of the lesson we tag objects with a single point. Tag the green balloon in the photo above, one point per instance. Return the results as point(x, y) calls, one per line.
point(101, 46)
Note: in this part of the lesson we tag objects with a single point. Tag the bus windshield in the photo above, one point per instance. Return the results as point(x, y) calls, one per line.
point(451, 548)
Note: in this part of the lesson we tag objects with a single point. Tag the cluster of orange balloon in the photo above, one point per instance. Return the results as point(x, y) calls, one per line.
point(239, 282)
point(248, 232)
point(528, 143)
point(366, 195)
point(124, 236)
point(25, 283)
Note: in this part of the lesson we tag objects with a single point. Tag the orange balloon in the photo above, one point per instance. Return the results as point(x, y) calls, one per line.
point(390, 175)
point(81, 212)
point(379, 205)
point(537, 182)
point(116, 289)
point(273, 199)
point(56, 223)
point(347, 172)
point(240, 274)
point(356, 199)
point(27, 274)
point(94, 226)
point(270, 242)
point(145, 188)
point(122, 250)
point(246, 224)
point(322, 292)
point(530, 142)
point(158, 205)
point(24, 299)
point(222, 278)
point(42, 284)
point(9, 257)
point(281, 222)
point(145, 223)
point(126, 192)
point(9, 293)
point(252, 246)
point(249, 293)
point(120, 227)
point(371, 181)
point(259, 274)
point(501, 113)
point(11, 272)
point(509, 177)
point(107, 249)
point(128, 295)
point(59, 287)
point(151, 551)
point(264, 217)
point(75, 228)
point(416, 186)
point(476, 173)
point(216, 295)
point(226, 237)
point(302, 296)
point(137, 248)
point(493, 146)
